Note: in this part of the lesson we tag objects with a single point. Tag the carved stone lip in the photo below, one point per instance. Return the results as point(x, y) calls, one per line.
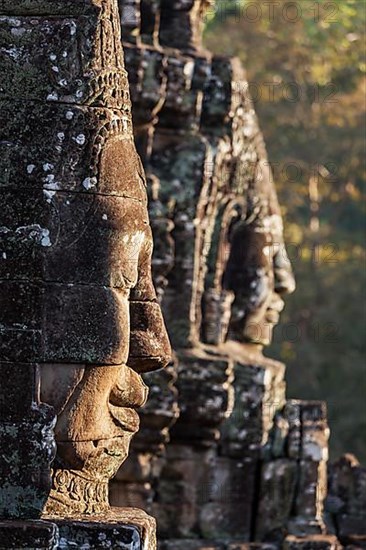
point(135, 397)
point(272, 316)
point(144, 364)
point(128, 419)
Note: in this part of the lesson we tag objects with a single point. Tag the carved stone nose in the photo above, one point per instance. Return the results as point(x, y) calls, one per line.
point(149, 342)
point(284, 277)
point(130, 390)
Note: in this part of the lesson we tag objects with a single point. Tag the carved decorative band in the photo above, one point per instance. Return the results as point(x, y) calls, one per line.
point(110, 88)
point(72, 493)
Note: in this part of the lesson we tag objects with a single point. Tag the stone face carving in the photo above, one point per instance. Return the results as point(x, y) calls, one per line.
point(258, 269)
point(77, 295)
point(214, 209)
point(243, 464)
point(212, 183)
point(80, 323)
point(249, 268)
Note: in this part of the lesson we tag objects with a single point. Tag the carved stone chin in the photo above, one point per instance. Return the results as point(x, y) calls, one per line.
point(85, 491)
point(97, 419)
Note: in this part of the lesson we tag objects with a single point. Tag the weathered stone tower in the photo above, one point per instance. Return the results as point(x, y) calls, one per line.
point(79, 319)
point(243, 465)
point(223, 460)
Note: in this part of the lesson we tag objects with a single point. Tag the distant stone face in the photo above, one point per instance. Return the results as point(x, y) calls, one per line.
point(242, 461)
point(198, 135)
point(75, 239)
point(242, 464)
point(80, 321)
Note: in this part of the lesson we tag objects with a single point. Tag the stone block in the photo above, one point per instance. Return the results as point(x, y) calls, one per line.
point(315, 431)
point(314, 542)
point(19, 390)
point(228, 514)
point(71, 238)
point(218, 96)
point(122, 528)
point(182, 106)
point(130, 19)
point(202, 413)
point(278, 480)
point(349, 525)
point(137, 495)
point(150, 20)
point(49, 7)
point(184, 487)
point(347, 487)
point(314, 411)
point(59, 147)
point(309, 503)
point(292, 414)
point(355, 543)
point(147, 79)
point(55, 323)
point(181, 24)
point(190, 544)
point(61, 59)
point(259, 394)
point(28, 535)
point(28, 448)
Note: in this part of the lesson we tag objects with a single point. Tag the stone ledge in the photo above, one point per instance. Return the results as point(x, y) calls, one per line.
point(119, 528)
point(196, 544)
point(312, 542)
point(28, 535)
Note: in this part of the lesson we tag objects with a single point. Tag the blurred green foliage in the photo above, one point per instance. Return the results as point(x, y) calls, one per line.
point(306, 64)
